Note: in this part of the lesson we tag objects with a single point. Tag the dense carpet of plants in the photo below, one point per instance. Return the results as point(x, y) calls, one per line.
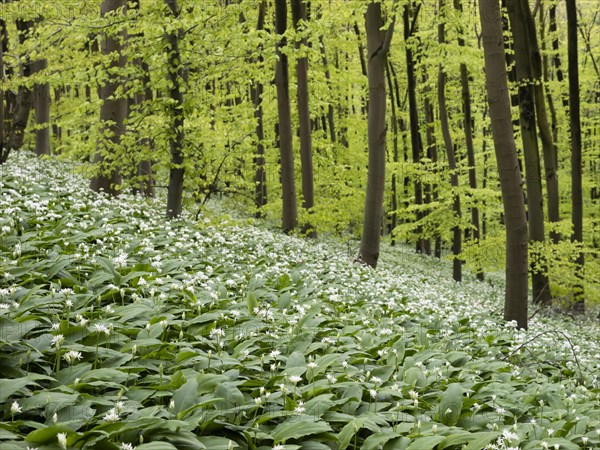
point(120, 329)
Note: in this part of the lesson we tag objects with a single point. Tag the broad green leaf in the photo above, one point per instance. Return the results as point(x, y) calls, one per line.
point(482, 439)
point(451, 403)
point(251, 302)
point(185, 397)
point(47, 435)
point(353, 427)
point(298, 427)
point(425, 443)
point(156, 446)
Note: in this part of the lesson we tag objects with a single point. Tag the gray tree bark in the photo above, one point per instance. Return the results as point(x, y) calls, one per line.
point(515, 298)
point(113, 112)
point(288, 181)
point(378, 43)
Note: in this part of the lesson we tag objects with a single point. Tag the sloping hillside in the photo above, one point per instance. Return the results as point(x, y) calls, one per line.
point(120, 329)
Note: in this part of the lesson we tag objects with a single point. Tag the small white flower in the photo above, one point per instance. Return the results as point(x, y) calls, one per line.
point(71, 356)
point(295, 379)
point(55, 326)
point(376, 380)
point(111, 415)
point(62, 440)
point(331, 378)
point(58, 340)
point(55, 418)
point(300, 408)
point(217, 332)
point(312, 365)
point(127, 446)
point(274, 353)
point(373, 393)
point(15, 408)
point(172, 404)
point(102, 329)
point(82, 320)
point(551, 431)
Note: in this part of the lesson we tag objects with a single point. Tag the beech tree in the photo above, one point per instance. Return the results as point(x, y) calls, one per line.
point(308, 196)
point(449, 144)
point(527, 119)
point(288, 181)
point(515, 297)
point(575, 127)
point(113, 109)
point(177, 133)
point(378, 45)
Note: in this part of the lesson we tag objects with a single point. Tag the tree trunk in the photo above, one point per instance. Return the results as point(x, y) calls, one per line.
point(468, 130)
point(527, 120)
point(515, 300)
point(456, 231)
point(260, 178)
point(432, 153)
point(22, 106)
point(415, 138)
point(3, 48)
point(41, 105)
point(394, 122)
point(378, 43)
point(144, 167)
point(361, 50)
point(177, 135)
point(548, 146)
point(575, 125)
point(330, 110)
point(288, 181)
point(113, 111)
point(308, 196)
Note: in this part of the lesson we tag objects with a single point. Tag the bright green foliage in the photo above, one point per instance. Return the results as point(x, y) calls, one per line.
point(219, 49)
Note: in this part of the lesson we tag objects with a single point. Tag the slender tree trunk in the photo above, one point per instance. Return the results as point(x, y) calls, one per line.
point(3, 136)
point(361, 50)
point(432, 154)
point(575, 125)
point(394, 122)
point(144, 167)
point(555, 50)
point(260, 177)
point(288, 181)
point(415, 138)
point(468, 130)
point(527, 120)
point(308, 196)
point(22, 106)
point(41, 105)
point(113, 111)
point(456, 231)
point(549, 148)
point(515, 303)
point(330, 110)
point(176, 77)
point(378, 43)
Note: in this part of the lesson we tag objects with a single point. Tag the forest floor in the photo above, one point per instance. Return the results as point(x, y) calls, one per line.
point(120, 329)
